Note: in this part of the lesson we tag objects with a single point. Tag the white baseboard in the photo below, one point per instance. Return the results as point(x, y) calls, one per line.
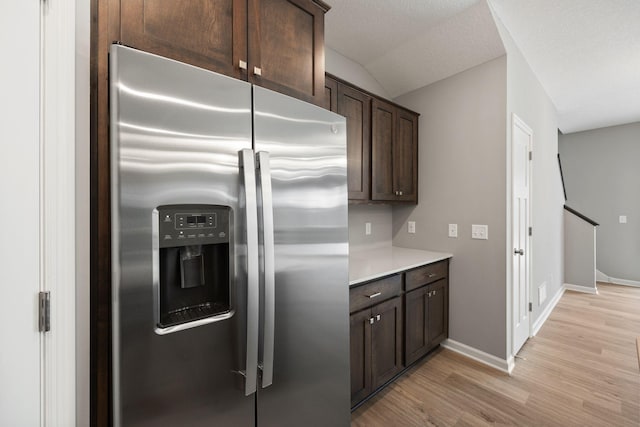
point(578, 288)
point(479, 355)
point(546, 312)
point(601, 277)
point(624, 282)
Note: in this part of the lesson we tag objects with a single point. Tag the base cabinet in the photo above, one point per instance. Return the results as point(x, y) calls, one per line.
point(387, 337)
point(426, 319)
point(376, 347)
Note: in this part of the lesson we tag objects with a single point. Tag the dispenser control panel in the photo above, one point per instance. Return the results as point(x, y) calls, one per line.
point(182, 225)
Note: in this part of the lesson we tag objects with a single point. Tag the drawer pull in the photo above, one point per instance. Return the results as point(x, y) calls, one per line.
point(378, 318)
point(431, 275)
point(371, 320)
point(377, 294)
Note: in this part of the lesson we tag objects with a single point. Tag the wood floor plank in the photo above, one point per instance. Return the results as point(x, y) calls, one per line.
point(580, 370)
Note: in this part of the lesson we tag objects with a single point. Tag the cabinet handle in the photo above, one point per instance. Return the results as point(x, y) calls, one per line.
point(430, 294)
point(378, 318)
point(371, 320)
point(242, 64)
point(377, 294)
point(400, 193)
point(430, 275)
point(257, 71)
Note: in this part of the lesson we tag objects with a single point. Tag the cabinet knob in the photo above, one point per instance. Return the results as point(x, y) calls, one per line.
point(397, 193)
point(257, 71)
point(378, 318)
point(242, 64)
point(371, 320)
point(400, 192)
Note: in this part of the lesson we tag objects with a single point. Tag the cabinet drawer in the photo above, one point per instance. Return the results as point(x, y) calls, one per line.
point(427, 274)
point(374, 292)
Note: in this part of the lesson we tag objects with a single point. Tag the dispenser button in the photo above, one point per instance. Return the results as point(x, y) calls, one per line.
point(222, 234)
point(167, 218)
point(167, 237)
point(181, 236)
point(211, 235)
point(201, 235)
point(191, 236)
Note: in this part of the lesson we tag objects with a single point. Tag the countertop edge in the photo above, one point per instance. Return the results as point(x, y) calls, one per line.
point(399, 269)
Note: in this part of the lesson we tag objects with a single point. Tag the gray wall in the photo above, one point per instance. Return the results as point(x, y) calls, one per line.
point(380, 217)
point(349, 70)
point(579, 252)
point(602, 178)
point(462, 180)
point(528, 100)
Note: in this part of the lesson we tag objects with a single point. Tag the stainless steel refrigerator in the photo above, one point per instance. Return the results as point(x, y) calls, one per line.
point(229, 251)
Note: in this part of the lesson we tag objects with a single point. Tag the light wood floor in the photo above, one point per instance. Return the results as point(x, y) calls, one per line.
point(580, 370)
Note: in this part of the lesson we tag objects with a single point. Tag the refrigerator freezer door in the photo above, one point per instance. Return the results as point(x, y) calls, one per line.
point(176, 131)
point(307, 150)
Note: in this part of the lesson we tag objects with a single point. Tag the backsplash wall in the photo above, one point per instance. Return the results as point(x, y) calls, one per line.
point(381, 219)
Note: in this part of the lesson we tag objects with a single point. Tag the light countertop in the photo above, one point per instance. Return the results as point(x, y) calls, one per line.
point(365, 265)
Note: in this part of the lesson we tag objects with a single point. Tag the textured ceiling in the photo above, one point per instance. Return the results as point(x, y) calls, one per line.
point(408, 44)
point(586, 53)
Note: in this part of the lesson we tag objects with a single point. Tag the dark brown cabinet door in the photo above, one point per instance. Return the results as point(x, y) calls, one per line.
point(394, 145)
point(405, 156)
point(356, 107)
point(383, 117)
point(360, 355)
point(286, 47)
point(386, 341)
point(330, 94)
point(438, 317)
point(416, 342)
point(211, 34)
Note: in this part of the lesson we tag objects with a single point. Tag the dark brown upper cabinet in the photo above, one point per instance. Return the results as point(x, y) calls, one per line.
point(394, 153)
point(356, 107)
point(330, 93)
point(382, 144)
point(277, 44)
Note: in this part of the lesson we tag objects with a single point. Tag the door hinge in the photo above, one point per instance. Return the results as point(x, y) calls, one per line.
point(530, 231)
point(530, 306)
point(44, 311)
point(530, 155)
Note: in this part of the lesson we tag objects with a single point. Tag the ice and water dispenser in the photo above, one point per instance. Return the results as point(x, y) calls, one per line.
point(194, 263)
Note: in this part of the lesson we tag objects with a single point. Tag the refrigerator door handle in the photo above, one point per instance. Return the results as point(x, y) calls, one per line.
point(247, 163)
point(269, 269)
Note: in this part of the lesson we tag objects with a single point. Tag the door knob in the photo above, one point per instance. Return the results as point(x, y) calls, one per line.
point(518, 252)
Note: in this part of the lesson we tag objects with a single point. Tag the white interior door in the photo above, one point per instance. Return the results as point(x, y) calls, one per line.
point(20, 361)
point(521, 184)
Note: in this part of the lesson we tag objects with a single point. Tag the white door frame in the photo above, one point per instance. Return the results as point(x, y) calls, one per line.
point(57, 209)
point(517, 122)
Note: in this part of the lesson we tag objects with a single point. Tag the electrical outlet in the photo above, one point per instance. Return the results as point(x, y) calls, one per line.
point(480, 232)
point(453, 230)
point(367, 228)
point(411, 227)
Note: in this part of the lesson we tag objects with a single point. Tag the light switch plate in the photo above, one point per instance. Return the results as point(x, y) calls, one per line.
point(453, 230)
point(480, 232)
point(623, 219)
point(411, 227)
point(367, 228)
